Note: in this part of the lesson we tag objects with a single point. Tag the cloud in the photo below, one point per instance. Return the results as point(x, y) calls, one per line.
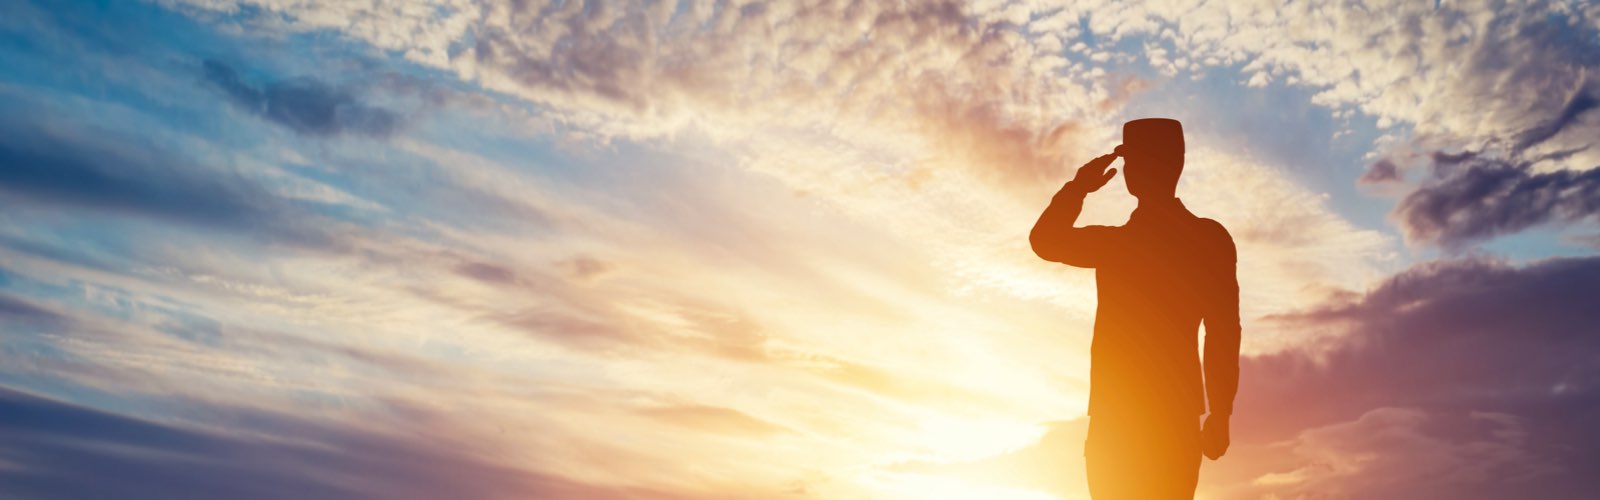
point(1505, 332)
point(58, 163)
point(1581, 102)
point(711, 419)
point(305, 105)
point(51, 443)
point(15, 311)
point(1483, 197)
point(1439, 342)
point(586, 268)
point(79, 167)
point(487, 272)
point(1397, 453)
point(1467, 70)
point(975, 90)
point(1512, 183)
point(1381, 172)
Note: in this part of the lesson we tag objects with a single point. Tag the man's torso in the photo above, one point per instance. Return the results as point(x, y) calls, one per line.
point(1153, 295)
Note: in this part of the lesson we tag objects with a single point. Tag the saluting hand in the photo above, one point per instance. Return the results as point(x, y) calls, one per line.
point(1093, 175)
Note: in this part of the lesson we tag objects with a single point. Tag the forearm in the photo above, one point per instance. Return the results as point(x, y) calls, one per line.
point(1222, 365)
point(1052, 235)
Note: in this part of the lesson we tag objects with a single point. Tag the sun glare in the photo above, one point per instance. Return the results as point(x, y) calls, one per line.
point(954, 439)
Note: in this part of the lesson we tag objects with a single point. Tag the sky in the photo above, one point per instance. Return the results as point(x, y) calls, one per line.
point(760, 249)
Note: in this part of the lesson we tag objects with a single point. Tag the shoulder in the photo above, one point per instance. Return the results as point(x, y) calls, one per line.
point(1213, 228)
point(1216, 234)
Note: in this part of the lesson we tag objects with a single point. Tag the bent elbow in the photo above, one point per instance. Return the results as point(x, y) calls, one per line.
point(1045, 248)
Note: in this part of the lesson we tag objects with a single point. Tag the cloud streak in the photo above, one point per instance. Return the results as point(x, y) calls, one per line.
point(50, 442)
point(50, 163)
point(304, 105)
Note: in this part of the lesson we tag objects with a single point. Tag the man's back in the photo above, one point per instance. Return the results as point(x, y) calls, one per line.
point(1160, 276)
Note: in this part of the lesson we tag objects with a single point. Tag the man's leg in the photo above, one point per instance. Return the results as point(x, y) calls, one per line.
point(1142, 458)
point(1106, 461)
point(1179, 460)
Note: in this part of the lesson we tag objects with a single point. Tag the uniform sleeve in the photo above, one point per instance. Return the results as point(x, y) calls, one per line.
point(1055, 239)
point(1222, 325)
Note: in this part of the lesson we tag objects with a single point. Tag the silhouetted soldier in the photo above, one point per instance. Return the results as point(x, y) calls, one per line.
point(1158, 277)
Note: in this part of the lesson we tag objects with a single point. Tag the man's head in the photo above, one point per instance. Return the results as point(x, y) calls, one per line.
point(1152, 156)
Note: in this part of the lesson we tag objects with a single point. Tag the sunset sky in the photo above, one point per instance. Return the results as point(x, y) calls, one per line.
point(583, 249)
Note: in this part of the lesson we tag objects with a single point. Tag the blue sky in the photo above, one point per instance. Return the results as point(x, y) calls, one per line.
point(679, 249)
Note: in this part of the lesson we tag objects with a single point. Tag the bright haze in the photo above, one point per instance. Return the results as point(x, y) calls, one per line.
point(743, 249)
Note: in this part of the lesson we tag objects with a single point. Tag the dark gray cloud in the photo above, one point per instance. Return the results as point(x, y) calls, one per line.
point(81, 167)
point(15, 310)
point(1486, 197)
point(305, 105)
point(51, 445)
point(1452, 338)
point(1472, 332)
point(1581, 102)
point(1380, 172)
point(53, 164)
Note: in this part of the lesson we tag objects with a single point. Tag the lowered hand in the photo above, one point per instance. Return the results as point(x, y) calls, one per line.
point(1214, 436)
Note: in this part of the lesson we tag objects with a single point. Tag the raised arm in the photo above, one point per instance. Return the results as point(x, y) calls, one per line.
point(1054, 238)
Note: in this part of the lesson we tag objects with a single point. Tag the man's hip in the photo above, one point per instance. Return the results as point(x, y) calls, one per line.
point(1143, 456)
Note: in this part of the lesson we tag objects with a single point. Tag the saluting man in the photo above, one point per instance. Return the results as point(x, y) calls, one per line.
point(1158, 277)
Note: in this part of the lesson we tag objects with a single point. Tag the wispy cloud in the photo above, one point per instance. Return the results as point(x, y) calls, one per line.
point(53, 441)
point(304, 105)
point(53, 162)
